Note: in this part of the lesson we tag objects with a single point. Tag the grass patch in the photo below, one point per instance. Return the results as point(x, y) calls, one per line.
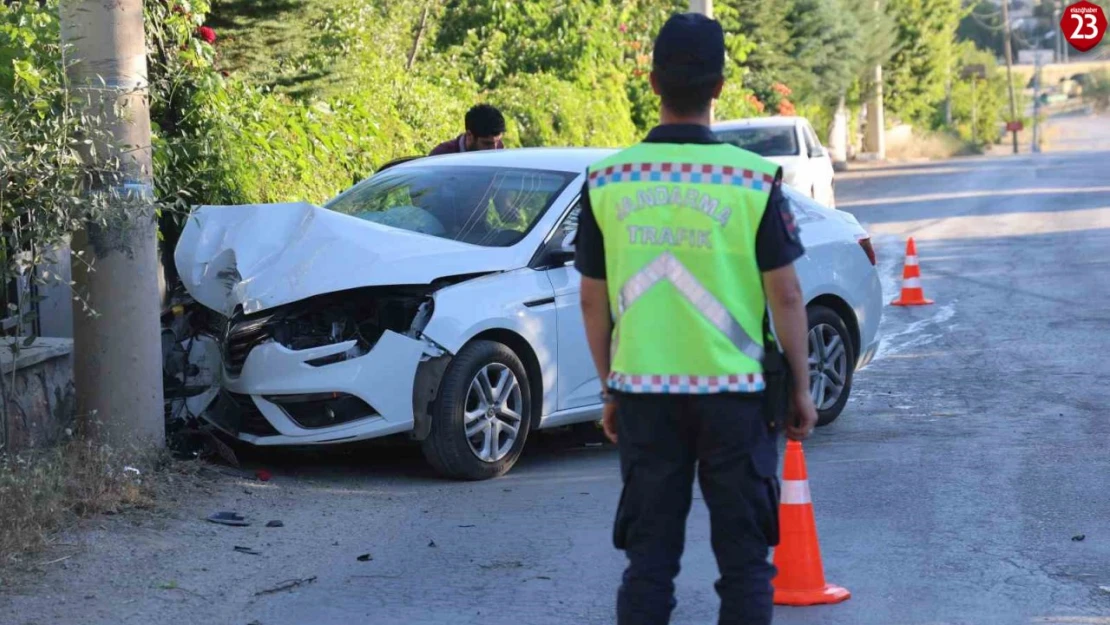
point(931, 145)
point(264, 40)
point(42, 491)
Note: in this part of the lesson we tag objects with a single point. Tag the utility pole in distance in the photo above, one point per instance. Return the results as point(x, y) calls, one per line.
point(705, 7)
point(117, 352)
point(1009, 67)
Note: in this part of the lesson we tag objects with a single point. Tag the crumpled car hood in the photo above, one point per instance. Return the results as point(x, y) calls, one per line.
point(264, 255)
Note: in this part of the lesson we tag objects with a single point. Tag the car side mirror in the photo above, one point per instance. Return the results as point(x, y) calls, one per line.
point(818, 152)
point(561, 252)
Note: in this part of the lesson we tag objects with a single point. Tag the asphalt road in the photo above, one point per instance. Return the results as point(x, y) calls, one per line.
point(973, 451)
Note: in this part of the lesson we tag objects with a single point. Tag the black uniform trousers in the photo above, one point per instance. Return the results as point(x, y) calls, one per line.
point(725, 439)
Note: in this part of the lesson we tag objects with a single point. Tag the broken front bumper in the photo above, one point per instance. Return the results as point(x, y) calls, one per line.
point(278, 398)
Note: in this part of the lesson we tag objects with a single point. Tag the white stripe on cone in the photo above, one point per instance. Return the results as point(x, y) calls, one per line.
point(795, 492)
point(911, 261)
point(911, 283)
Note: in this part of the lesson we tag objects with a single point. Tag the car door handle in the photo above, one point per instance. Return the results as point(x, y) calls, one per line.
point(540, 302)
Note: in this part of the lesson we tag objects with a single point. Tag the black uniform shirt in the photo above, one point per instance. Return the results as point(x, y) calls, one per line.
point(777, 243)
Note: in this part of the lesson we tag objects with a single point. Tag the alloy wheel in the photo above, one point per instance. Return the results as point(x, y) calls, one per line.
point(828, 365)
point(492, 415)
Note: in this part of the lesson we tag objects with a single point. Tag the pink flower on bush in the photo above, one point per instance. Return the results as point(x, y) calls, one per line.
point(624, 28)
point(207, 34)
point(754, 101)
point(786, 108)
point(781, 89)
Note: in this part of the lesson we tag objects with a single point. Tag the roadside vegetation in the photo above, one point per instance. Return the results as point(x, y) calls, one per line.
point(46, 490)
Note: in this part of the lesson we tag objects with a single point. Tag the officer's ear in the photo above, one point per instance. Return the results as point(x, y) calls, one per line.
point(654, 83)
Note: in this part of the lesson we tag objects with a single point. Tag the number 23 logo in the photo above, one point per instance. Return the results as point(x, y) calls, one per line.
point(1087, 20)
point(1083, 25)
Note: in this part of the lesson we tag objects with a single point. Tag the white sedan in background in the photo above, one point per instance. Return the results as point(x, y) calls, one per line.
point(791, 143)
point(438, 298)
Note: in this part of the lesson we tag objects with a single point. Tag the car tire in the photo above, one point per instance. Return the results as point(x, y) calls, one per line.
point(830, 346)
point(468, 401)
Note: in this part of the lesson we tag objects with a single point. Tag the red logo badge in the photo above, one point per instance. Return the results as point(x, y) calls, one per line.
point(1083, 25)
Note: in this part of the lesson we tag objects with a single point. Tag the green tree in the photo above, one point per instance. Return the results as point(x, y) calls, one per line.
point(828, 49)
point(762, 28)
point(983, 26)
point(916, 75)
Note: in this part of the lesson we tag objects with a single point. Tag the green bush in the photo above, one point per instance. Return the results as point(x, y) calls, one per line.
point(45, 128)
point(547, 111)
point(990, 103)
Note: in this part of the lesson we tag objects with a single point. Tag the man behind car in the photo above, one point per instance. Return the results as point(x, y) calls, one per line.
point(484, 127)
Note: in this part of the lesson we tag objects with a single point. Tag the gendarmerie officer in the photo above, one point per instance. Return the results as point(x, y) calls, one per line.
point(683, 242)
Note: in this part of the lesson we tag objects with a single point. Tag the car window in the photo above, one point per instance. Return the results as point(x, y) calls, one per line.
point(811, 142)
point(570, 223)
point(763, 140)
point(488, 206)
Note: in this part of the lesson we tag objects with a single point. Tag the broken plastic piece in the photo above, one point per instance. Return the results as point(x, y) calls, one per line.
point(286, 585)
point(229, 518)
point(263, 475)
point(1079, 538)
point(275, 523)
point(247, 550)
point(365, 557)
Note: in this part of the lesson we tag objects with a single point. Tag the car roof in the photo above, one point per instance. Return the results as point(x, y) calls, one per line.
point(759, 122)
point(573, 160)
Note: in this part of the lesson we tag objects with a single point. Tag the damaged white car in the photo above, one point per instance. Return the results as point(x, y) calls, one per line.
point(438, 298)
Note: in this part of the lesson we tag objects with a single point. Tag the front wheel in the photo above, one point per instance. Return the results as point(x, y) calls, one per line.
point(831, 363)
point(481, 418)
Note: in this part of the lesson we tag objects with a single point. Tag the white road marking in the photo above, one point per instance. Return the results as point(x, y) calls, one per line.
point(896, 340)
point(914, 334)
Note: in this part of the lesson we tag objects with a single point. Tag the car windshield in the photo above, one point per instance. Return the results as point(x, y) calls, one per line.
point(487, 206)
point(763, 140)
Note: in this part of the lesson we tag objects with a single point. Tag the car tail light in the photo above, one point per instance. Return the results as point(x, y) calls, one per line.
point(865, 243)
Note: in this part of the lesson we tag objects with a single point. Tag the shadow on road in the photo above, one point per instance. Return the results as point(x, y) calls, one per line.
point(400, 458)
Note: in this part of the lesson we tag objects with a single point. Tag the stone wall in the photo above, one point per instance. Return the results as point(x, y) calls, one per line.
point(38, 386)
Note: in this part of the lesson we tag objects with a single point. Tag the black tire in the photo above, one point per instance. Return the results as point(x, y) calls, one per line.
point(818, 316)
point(447, 447)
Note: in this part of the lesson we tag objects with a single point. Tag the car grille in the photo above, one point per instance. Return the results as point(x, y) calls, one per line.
point(242, 335)
point(240, 415)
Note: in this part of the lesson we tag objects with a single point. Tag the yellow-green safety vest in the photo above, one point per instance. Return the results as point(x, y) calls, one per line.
point(679, 223)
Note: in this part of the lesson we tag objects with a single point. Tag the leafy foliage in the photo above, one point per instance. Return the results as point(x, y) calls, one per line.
point(976, 112)
point(297, 99)
point(918, 72)
point(44, 131)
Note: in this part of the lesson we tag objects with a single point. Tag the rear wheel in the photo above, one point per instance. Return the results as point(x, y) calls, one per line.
point(831, 363)
point(482, 415)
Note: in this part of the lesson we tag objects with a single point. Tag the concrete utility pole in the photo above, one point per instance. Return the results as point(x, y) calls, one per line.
point(876, 124)
point(705, 7)
point(1058, 35)
point(117, 359)
point(875, 137)
point(1036, 101)
point(1009, 66)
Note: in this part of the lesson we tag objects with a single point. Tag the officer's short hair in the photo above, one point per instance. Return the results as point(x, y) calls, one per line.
point(484, 120)
point(686, 97)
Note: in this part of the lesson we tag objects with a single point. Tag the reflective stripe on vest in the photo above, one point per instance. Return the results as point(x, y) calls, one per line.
point(667, 267)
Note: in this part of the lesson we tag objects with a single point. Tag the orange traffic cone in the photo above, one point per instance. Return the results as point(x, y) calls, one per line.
point(912, 293)
point(801, 576)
